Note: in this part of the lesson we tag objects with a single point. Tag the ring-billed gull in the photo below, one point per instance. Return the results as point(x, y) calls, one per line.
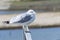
point(25, 18)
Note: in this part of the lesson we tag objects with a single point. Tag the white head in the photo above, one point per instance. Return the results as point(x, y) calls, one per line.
point(31, 11)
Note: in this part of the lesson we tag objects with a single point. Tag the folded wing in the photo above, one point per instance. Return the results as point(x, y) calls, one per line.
point(21, 18)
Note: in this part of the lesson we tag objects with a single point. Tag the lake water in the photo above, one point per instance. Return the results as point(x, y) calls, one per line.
point(37, 34)
point(12, 12)
point(19, 11)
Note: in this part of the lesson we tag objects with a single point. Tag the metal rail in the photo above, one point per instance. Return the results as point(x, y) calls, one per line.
point(27, 33)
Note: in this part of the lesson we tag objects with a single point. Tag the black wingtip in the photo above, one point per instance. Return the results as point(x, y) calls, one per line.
point(6, 22)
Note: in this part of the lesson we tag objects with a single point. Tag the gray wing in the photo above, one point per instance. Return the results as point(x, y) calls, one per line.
point(16, 18)
point(21, 18)
point(25, 19)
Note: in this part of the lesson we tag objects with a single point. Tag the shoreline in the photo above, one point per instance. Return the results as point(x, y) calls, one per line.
point(38, 5)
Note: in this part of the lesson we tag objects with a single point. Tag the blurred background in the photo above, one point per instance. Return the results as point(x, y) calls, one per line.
point(45, 27)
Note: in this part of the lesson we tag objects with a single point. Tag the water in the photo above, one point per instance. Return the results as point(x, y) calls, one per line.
point(12, 12)
point(46, 34)
point(37, 34)
point(19, 11)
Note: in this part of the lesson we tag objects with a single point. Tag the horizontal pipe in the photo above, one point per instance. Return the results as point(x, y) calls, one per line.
point(43, 20)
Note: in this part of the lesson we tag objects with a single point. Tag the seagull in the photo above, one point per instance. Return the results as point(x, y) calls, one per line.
point(24, 18)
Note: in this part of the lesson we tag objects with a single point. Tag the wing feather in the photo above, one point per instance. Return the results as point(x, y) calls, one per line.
point(17, 18)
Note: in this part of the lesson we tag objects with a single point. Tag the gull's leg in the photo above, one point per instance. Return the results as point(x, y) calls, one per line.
point(27, 33)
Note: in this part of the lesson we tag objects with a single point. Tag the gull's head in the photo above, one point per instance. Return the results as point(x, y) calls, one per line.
point(31, 11)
